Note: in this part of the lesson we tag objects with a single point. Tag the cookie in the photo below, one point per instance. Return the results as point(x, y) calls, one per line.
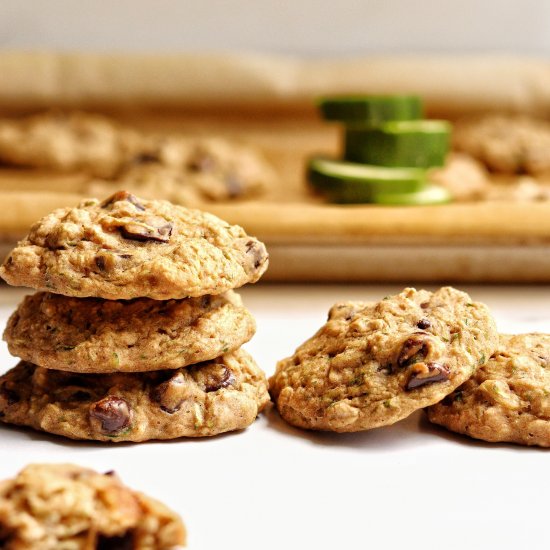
point(206, 169)
point(91, 335)
point(125, 247)
point(508, 399)
point(150, 181)
point(373, 364)
point(508, 144)
point(68, 142)
point(185, 170)
point(67, 507)
point(218, 396)
point(465, 177)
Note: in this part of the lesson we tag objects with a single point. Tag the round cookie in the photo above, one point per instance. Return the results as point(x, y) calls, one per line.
point(68, 142)
point(190, 172)
point(218, 169)
point(373, 364)
point(218, 396)
point(511, 144)
point(508, 399)
point(62, 506)
point(125, 247)
point(88, 335)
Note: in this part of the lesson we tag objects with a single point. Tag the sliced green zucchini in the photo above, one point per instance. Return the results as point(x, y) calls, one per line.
point(418, 143)
point(366, 110)
point(347, 182)
point(430, 195)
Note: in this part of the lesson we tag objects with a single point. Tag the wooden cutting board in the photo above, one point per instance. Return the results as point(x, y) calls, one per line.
point(307, 240)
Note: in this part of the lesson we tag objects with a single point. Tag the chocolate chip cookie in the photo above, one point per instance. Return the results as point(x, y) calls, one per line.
point(94, 335)
point(511, 144)
point(196, 169)
point(217, 396)
point(182, 169)
point(125, 247)
point(63, 506)
point(373, 364)
point(508, 399)
point(68, 142)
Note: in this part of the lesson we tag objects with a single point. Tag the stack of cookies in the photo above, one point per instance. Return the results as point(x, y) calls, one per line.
point(135, 332)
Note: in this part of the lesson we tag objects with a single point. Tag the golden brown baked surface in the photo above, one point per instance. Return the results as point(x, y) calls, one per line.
point(507, 399)
point(67, 507)
point(373, 364)
point(95, 335)
point(126, 247)
point(210, 398)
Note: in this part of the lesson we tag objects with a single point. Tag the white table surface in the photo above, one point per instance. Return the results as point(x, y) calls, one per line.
point(272, 486)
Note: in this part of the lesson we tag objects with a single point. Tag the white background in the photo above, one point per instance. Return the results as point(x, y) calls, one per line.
point(308, 27)
point(272, 487)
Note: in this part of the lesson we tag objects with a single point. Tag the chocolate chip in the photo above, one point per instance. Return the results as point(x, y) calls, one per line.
point(170, 394)
point(201, 162)
point(221, 377)
point(113, 413)
point(256, 250)
point(234, 185)
point(153, 228)
point(123, 542)
point(424, 324)
point(414, 348)
point(100, 262)
point(111, 473)
point(145, 158)
point(425, 305)
point(427, 373)
point(122, 196)
point(10, 396)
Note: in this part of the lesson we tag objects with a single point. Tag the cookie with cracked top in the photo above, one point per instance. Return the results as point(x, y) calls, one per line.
point(210, 398)
point(373, 364)
point(126, 247)
point(507, 399)
point(95, 335)
point(64, 506)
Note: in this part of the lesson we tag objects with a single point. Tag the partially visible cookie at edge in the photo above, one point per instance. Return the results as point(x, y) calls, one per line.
point(68, 142)
point(91, 335)
point(373, 364)
point(206, 399)
point(507, 399)
point(126, 247)
point(55, 506)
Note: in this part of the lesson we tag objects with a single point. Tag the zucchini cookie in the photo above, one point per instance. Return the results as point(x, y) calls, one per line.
point(125, 247)
point(508, 399)
point(68, 142)
point(511, 144)
point(200, 400)
point(94, 335)
point(67, 507)
point(373, 364)
point(205, 169)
